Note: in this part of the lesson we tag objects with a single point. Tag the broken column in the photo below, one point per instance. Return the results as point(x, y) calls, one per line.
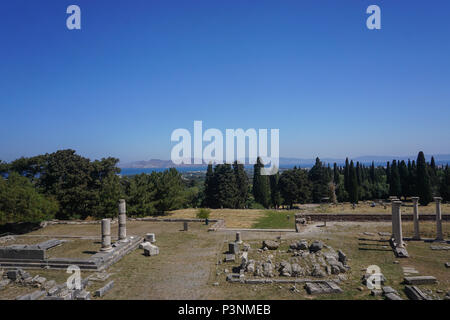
point(106, 235)
point(238, 238)
point(439, 236)
point(416, 218)
point(397, 223)
point(122, 221)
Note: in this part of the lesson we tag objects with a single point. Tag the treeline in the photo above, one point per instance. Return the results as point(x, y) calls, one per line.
point(65, 185)
point(227, 186)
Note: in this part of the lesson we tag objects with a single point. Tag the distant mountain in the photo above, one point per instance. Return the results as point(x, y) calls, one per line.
point(290, 162)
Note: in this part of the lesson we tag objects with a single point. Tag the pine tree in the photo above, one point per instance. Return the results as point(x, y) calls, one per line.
point(423, 184)
point(226, 186)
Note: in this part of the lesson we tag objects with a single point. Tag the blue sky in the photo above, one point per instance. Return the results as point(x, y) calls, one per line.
point(137, 70)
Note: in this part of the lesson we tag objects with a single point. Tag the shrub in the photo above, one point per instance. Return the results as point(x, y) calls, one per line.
point(203, 213)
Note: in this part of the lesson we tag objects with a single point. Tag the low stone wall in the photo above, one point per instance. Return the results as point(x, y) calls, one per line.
point(366, 217)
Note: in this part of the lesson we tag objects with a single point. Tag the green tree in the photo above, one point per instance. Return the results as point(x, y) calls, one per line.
point(395, 187)
point(242, 185)
point(445, 184)
point(261, 185)
point(423, 184)
point(353, 193)
point(20, 201)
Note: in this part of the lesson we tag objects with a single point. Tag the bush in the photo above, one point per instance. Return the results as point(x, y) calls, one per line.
point(203, 213)
point(20, 202)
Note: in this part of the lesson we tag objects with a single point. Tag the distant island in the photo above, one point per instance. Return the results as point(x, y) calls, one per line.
point(441, 159)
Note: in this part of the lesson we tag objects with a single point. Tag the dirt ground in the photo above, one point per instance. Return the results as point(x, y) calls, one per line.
point(188, 264)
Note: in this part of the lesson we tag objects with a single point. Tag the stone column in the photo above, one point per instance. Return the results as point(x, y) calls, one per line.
point(122, 221)
point(397, 223)
point(238, 237)
point(439, 236)
point(106, 235)
point(185, 226)
point(416, 218)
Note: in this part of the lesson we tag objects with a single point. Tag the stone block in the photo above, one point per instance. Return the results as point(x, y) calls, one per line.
point(392, 296)
point(415, 293)
point(322, 287)
point(420, 280)
point(151, 250)
point(150, 237)
point(102, 291)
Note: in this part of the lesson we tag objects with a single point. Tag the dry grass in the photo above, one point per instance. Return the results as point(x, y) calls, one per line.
point(234, 218)
point(365, 207)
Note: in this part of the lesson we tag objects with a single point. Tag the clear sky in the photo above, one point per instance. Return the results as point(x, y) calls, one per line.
point(138, 69)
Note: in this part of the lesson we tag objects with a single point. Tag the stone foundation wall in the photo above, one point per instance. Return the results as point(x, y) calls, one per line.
point(366, 217)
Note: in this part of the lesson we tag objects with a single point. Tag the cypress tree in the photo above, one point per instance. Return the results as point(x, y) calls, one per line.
point(423, 184)
point(372, 173)
point(388, 173)
point(261, 186)
point(210, 190)
point(353, 184)
point(395, 188)
point(346, 176)
point(404, 178)
point(241, 185)
point(275, 190)
point(335, 174)
point(445, 184)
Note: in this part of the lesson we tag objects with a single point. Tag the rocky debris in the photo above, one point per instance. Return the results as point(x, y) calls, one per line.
point(318, 271)
point(420, 280)
point(369, 233)
point(317, 245)
point(82, 295)
point(299, 245)
point(270, 244)
point(4, 283)
point(6, 239)
point(12, 275)
point(285, 269)
point(384, 234)
point(102, 291)
point(100, 276)
point(38, 281)
point(415, 293)
point(366, 276)
point(447, 296)
point(151, 250)
point(322, 287)
point(267, 269)
point(376, 292)
point(387, 290)
point(392, 296)
point(246, 247)
point(447, 264)
point(440, 247)
point(409, 270)
point(32, 296)
point(342, 257)
point(230, 257)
